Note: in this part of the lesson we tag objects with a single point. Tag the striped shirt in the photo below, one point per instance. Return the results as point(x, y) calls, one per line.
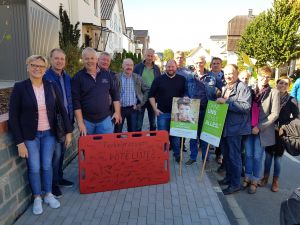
point(43, 123)
point(127, 96)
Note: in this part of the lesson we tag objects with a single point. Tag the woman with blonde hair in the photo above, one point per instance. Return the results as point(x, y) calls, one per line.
point(32, 113)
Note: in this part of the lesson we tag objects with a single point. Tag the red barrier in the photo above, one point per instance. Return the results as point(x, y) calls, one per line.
point(115, 161)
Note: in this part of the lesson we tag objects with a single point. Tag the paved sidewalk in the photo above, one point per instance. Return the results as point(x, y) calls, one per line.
point(184, 200)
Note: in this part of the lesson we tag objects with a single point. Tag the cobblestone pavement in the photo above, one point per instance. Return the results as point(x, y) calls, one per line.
point(184, 200)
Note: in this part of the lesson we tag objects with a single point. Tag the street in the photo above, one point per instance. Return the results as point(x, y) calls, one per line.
point(263, 208)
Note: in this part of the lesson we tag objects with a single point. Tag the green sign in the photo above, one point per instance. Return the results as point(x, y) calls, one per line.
point(213, 124)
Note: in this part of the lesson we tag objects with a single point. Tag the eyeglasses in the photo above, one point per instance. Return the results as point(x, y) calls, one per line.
point(35, 66)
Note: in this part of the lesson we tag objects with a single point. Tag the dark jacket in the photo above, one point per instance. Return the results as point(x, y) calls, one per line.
point(238, 116)
point(139, 68)
point(290, 108)
point(52, 76)
point(94, 96)
point(23, 110)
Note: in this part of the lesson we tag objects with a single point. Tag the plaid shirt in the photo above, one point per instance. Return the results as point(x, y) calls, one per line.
point(128, 96)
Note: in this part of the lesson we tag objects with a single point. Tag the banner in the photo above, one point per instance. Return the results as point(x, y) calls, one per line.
point(184, 118)
point(213, 124)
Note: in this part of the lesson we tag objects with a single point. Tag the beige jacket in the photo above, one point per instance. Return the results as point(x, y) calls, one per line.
point(268, 114)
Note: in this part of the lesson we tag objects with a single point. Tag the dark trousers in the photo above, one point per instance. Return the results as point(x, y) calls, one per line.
point(57, 163)
point(151, 117)
point(231, 148)
point(130, 115)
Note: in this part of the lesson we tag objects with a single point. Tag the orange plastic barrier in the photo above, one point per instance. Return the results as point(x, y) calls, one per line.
point(115, 161)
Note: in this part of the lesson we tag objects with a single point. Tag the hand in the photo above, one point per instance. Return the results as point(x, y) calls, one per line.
point(82, 128)
point(157, 112)
point(137, 107)
point(220, 100)
point(255, 130)
point(23, 152)
point(68, 140)
point(117, 117)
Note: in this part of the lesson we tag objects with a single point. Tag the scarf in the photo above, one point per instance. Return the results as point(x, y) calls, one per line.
point(284, 99)
point(260, 93)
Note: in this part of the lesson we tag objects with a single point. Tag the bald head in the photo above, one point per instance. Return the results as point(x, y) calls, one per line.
point(127, 66)
point(171, 67)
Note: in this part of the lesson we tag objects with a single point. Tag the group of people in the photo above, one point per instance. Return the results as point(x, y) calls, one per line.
point(101, 100)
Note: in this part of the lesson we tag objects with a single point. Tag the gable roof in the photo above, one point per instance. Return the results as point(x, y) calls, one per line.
point(107, 7)
point(195, 50)
point(140, 33)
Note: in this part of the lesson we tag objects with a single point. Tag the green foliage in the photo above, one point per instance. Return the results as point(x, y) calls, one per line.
point(117, 60)
point(168, 54)
point(272, 36)
point(68, 41)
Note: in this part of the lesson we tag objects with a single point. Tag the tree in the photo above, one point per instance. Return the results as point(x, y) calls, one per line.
point(168, 54)
point(68, 41)
point(272, 36)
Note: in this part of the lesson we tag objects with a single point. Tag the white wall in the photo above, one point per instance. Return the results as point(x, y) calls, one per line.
point(53, 5)
point(115, 41)
point(216, 48)
point(232, 58)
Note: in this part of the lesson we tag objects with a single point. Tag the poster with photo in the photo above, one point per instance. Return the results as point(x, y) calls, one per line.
point(184, 117)
point(213, 124)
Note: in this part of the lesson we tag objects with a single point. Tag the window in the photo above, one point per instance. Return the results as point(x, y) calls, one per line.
point(96, 7)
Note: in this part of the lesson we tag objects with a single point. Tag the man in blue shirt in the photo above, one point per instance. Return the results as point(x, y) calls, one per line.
point(181, 69)
point(133, 95)
point(58, 75)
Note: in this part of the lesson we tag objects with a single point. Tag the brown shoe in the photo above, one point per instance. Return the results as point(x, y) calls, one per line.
point(252, 187)
point(245, 183)
point(275, 184)
point(264, 181)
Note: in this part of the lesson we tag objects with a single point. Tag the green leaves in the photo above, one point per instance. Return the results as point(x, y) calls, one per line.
point(272, 36)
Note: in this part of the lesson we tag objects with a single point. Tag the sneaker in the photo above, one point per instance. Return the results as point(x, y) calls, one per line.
point(51, 201)
point(65, 183)
point(56, 191)
point(190, 162)
point(231, 190)
point(37, 208)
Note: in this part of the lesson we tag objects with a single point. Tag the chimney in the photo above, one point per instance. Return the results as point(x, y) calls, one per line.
point(250, 12)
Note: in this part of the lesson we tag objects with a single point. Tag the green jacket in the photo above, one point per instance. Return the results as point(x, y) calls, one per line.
point(141, 89)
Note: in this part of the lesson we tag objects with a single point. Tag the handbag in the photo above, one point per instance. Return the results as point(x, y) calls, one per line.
point(59, 126)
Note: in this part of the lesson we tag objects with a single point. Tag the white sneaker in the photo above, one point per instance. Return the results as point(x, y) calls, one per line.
point(37, 208)
point(51, 201)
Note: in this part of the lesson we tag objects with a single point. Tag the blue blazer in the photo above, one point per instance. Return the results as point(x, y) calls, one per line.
point(51, 76)
point(23, 110)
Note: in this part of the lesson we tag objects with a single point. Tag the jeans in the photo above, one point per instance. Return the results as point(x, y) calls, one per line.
point(103, 127)
point(163, 123)
point(231, 147)
point(40, 153)
point(254, 155)
point(194, 142)
point(268, 163)
point(151, 117)
point(130, 115)
point(57, 163)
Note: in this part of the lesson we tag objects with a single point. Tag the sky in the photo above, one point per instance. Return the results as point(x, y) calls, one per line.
point(183, 24)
